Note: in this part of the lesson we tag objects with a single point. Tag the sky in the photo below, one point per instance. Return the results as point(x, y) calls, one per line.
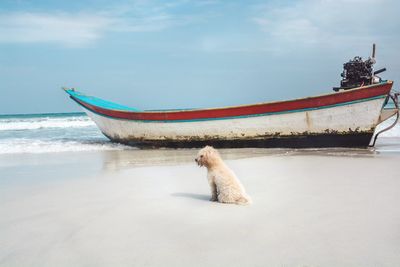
point(152, 54)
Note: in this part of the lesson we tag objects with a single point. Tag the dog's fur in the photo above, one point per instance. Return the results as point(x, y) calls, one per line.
point(225, 187)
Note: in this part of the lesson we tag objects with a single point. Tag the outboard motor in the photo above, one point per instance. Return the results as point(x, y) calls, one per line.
point(358, 72)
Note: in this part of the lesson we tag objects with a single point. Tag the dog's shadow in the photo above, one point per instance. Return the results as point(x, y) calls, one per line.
point(192, 195)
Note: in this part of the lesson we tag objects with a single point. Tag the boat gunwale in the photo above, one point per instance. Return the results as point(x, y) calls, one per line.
point(229, 107)
point(232, 117)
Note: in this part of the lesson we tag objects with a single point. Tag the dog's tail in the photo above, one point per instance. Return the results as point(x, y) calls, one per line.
point(244, 200)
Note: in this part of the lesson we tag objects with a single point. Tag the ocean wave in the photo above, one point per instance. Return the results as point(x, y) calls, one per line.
point(40, 123)
point(19, 145)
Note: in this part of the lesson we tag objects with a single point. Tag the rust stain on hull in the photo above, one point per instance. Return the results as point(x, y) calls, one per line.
point(308, 121)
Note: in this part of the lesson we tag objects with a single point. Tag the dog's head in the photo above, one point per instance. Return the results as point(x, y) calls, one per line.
point(207, 156)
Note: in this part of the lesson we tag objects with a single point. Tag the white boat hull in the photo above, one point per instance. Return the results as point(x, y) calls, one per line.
point(359, 117)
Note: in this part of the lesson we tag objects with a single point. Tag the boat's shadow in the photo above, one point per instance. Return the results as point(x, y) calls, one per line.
point(119, 159)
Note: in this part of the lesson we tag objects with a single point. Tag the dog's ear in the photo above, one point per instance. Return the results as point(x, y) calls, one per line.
point(208, 150)
point(212, 151)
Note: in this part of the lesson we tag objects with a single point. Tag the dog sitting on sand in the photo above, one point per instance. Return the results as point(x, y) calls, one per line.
point(225, 187)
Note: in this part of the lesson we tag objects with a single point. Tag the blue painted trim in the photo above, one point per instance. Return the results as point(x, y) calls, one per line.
point(244, 116)
point(98, 102)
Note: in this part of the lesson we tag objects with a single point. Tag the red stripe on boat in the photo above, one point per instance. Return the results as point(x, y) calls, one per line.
point(248, 110)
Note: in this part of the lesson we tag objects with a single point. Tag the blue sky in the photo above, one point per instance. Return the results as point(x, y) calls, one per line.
point(178, 54)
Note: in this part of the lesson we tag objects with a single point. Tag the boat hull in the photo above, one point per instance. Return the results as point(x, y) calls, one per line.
point(343, 119)
point(347, 125)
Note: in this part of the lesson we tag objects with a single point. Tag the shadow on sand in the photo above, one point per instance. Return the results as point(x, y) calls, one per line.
point(193, 196)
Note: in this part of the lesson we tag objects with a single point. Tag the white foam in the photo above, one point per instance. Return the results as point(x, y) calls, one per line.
point(20, 145)
point(44, 122)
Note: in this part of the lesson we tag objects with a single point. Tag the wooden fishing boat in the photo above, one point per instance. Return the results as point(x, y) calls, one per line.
point(346, 118)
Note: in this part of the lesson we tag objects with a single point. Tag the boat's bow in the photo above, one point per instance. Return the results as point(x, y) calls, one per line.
point(91, 101)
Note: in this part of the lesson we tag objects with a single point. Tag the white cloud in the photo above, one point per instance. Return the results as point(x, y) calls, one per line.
point(66, 29)
point(145, 24)
point(76, 30)
point(297, 29)
point(329, 22)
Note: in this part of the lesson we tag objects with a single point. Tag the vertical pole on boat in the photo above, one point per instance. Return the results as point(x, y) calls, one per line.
point(373, 51)
point(373, 62)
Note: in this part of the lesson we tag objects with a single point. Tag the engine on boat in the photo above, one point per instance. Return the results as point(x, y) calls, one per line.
point(358, 72)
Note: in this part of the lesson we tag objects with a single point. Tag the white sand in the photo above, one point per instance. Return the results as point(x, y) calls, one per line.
point(310, 209)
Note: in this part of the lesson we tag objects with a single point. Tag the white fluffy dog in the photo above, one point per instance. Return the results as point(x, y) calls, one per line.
point(225, 187)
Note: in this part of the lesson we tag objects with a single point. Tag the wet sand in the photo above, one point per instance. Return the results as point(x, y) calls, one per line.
point(150, 208)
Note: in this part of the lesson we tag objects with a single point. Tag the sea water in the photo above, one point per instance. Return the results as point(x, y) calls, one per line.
point(58, 132)
point(63, 132)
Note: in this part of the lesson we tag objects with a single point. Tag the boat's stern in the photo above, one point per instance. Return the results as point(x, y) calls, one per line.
point(387, 113)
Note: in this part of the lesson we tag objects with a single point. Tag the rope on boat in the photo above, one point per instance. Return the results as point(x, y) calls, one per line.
point(395, 98)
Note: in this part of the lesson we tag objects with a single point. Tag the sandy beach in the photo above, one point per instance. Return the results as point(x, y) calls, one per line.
point(150, 208)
